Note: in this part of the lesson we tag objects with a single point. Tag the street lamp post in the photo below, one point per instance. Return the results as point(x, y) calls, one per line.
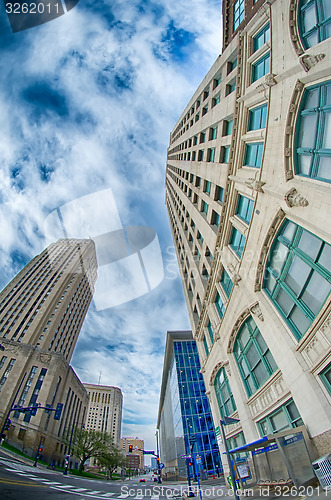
point(228, 421)
point(158, 457)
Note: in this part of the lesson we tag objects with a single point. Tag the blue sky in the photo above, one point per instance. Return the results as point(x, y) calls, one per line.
point(87, 102)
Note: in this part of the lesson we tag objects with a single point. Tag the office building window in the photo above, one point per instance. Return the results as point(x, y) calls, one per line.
point(253, 357)
point(215, 220)
point(285, 417)
point(225, 154)
point(261, 67)
point(253, 154)
point(212, 133)
point(224, 395)
point(226, 283)
point(258, 117)
point(228, 125)
point(211, 332)
point(215, 100)
point(200, 155)
point(231, 87)
point(239, 13)
point(204, 207)
point(216, 82)
point(298, 276)
point(211, 155)
point(237, 241)
point(219, 305)
point(314, 21)
point(205, 344)
point(207, 187)
point(261, 37)
point(219, 194)
point(313, 142)
point(202, 137)
point(326, 377)
point(245, 208)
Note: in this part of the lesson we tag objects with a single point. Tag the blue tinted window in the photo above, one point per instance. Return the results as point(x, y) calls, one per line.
point(261, 67)
point(237, 241)
point(261, 38)
point(313, 143)
point(253, 154)
point(258, 117)
point(314, 21)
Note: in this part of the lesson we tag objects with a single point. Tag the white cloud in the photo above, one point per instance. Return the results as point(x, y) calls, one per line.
point(87, 103)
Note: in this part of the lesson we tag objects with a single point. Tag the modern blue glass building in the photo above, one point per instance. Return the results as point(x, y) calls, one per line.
point(184, 409)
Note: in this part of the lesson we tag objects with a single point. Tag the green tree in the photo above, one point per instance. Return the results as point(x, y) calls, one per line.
point(87, 443)
point(112, 459)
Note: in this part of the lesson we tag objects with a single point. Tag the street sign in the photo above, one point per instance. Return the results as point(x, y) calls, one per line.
point(198, 458)
point(161, 466)
point(186, 456)
point(148, 452)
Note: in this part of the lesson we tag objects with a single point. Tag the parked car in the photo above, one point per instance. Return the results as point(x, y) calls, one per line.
point(142, 480)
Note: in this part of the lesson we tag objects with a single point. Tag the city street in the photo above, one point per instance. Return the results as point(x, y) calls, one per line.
point(19, 480)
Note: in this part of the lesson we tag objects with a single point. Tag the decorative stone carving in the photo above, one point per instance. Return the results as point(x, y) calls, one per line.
point(287, 152)
point(288, 130)
point(307, 61)
point(256, 309)
point(255, 185)
point(298, 86)
point(295, 199)
point(45, 358)
point(289, 175)
point(235, 329)
point(236, 278)
point(293, 108)
point(270, 79)
point(271, 393)
point(326, 325)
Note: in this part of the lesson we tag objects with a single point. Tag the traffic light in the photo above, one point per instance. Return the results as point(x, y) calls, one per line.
point(130, 448)
point(58, 411)
point(7, 424)
point(40, 449)
point(157, 460)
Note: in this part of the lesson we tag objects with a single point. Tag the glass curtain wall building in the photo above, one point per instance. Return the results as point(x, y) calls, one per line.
point(184, 409)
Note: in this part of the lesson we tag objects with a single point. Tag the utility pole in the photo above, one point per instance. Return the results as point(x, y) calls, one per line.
point(228, 421)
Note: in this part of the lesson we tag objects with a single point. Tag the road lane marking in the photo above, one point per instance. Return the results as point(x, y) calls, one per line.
point(22, 483)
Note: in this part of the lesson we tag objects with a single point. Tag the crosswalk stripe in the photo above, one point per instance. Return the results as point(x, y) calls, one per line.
point(95, 492)
point(49, 482)
point(108, 494)
point(79, 490)
point(65, 486)
point(123, 496)
point(155, 497)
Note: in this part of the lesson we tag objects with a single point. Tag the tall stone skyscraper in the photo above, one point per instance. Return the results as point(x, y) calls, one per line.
point(46, 303)
point(41, 314)
point(248, 196)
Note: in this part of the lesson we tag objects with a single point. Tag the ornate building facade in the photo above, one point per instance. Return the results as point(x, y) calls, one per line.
point(41, 314)
point(248, 196)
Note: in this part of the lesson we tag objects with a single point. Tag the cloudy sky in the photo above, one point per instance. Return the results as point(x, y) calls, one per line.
point(87, 102)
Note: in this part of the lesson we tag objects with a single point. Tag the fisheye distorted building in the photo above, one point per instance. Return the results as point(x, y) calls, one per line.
point(249, 201)
point(105, 410)
point(184, 410)
point(41, 314)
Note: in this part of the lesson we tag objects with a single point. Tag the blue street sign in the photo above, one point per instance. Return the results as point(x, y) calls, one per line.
point(161, 466)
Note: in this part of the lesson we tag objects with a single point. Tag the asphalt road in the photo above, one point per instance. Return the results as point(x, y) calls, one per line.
point(19, 481)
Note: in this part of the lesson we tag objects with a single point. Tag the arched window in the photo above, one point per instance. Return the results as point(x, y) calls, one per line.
point(313, 143)
point(314, 21)
point(298, 276)
point(253, 357)
point(224, 395)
